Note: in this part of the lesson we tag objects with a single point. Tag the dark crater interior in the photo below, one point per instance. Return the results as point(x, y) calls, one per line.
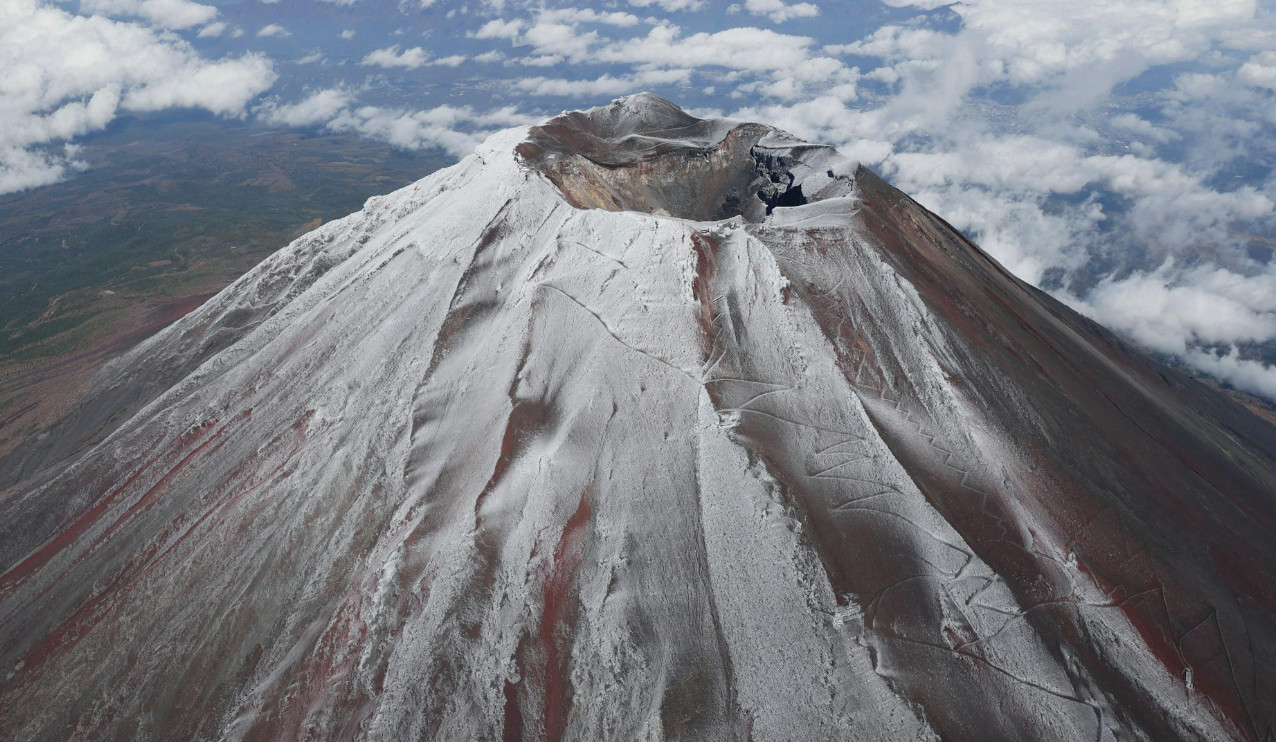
point(643, 153)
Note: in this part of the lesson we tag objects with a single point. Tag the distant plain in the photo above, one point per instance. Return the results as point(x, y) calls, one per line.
point(169, 211)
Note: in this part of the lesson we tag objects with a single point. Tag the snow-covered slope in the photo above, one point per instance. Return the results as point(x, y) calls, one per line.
point(637, 426)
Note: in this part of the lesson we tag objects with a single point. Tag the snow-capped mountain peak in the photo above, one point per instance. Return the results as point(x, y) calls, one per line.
point(634, 425)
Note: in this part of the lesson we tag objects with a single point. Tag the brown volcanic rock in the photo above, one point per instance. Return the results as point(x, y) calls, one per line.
point(640, 426)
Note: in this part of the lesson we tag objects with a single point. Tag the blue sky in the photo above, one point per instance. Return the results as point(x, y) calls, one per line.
point(1116, 152)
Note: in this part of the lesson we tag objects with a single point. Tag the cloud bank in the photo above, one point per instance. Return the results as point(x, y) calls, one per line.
point(67, 76)
point(455, 129)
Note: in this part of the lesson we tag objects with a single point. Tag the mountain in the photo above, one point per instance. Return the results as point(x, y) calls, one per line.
point(637, 426)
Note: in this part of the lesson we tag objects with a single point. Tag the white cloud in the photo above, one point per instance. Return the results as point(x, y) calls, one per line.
point(1035, 38)
point(1173, 308)
point(1133, 124)
point(223, 88)
point(669, 6)
point(753, 49)
point(391, 57)
point(561, 40)
point(273, 29)
point(1078, 50)
point(212, 30)
point(1188, 312)
point(1260, 70)
point(174, 14)
point(21, 169)
point(779, 11)
point(894, 43)
point(348, 34)
point(588, 15)
point(320, 108)
point(783, 66)
point(797, 81)
point(1244, 374)
point(604, 85)
point(500, 29)
point(454, 129)
point(66, 76)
